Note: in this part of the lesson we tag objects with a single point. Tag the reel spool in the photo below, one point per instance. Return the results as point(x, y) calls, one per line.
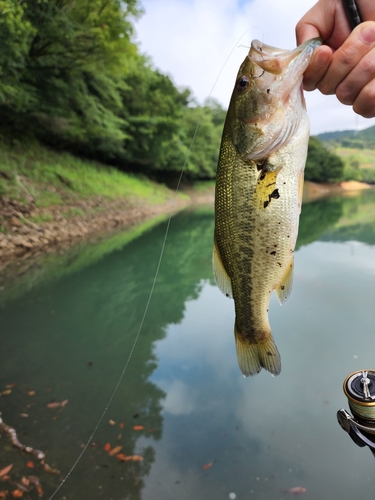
point(359, 388)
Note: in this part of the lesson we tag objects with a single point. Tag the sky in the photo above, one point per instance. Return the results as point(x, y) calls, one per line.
point(200, 44)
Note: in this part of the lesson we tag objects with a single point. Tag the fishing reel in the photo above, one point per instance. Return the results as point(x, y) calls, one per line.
point(359, 388)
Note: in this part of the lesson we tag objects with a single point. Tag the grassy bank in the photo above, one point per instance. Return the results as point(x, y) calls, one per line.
point(46, 180)
point(52, 199)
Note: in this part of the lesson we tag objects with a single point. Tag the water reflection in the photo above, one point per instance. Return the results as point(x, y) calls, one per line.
point(69, 338)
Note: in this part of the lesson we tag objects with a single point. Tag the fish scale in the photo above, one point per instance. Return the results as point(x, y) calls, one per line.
point(258, 194)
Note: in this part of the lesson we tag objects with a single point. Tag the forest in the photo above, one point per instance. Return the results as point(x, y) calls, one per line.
point(72, 77)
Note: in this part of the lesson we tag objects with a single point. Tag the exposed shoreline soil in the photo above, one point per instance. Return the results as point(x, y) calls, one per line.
point(314, 191)
point(22, 237)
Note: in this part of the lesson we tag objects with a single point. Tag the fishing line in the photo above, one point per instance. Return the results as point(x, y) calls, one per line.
point(153, 282)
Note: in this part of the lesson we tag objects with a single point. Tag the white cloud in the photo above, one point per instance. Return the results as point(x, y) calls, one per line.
point(179, 400)
point(191, 40)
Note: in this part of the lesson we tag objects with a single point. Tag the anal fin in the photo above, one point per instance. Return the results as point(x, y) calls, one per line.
point(284, 289)
point(221, 277)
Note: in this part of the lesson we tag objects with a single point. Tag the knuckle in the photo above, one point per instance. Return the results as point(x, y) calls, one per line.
point(325, 88)
point(365, 111)
point(347, 55)
point(344, 94)
point(364, 105)
point(368, 66)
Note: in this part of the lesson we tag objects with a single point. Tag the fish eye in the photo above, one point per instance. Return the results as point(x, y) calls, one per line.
point(242, 83)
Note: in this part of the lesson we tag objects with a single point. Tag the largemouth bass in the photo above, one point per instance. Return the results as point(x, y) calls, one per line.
point(258, 194)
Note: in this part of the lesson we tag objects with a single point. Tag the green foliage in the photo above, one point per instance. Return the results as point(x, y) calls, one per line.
point(16, 34)
point(52, 178)
point(321, 165)
point(71, 75)
point(203, 157)
point(361, 139)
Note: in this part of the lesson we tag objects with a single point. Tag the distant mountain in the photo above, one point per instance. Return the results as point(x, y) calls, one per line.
point(350, 138)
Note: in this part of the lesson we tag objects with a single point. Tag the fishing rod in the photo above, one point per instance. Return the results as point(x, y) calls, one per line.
point(352, 12)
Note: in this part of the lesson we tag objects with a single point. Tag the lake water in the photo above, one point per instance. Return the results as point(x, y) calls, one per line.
point(68, 323)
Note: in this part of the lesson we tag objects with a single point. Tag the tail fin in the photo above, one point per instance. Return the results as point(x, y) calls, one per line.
point(253, 357)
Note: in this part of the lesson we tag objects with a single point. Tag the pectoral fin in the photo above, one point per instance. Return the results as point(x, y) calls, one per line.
point(221, 277)
point(285, 287)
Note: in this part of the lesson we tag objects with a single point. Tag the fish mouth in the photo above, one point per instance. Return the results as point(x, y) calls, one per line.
point(283, 62)
point(279, 67)
point(277, 74)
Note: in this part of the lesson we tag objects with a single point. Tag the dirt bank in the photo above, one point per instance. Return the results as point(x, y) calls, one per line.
point(58, 227)
point(314, 191)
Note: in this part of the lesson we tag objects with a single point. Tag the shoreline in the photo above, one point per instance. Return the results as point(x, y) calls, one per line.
point(25, 238)
point(315, 191)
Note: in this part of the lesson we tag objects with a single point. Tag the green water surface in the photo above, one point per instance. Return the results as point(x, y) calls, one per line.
point(68, 325)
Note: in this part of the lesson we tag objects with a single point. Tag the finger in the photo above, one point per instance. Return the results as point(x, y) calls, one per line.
point(318, 21)
point(364, 104)
point(306, 31)
point(346, 57)
point(317, 68)
point(364, 73)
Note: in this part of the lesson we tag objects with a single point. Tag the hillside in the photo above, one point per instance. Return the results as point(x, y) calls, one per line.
point(359, 139)
point(356, 148)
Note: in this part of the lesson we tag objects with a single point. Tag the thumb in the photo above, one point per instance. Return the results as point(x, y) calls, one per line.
point(305, 31)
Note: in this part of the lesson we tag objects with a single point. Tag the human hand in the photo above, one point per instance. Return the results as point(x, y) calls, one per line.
point(345, 64)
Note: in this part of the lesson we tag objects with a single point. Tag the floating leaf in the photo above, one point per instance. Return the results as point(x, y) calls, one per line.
point(112, 422)
point(297, 490)
point(30, 464)
point(17, 494)
point(121, 425)
point(138, 427)
point(115, 450)
point(126, 458)
point(56, 404)
point(4, 472)
point(53, 405)
point(3, 493)
point(39, 489)
point(25, 481)
point(6, 392)
point(31, 393)
point(107, 447)
point(207, 466)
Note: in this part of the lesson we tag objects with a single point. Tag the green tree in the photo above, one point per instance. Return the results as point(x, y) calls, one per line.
point(321, 165)
point(72, 77)
point(72, 63)
point(16, 34)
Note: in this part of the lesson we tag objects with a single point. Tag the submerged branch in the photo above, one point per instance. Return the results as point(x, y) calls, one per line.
point(38, 454)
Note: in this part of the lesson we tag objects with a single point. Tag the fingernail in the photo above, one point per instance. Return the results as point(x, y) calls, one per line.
point(368, 34)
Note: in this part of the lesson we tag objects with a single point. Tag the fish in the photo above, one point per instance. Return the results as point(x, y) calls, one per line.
point(258, 194)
